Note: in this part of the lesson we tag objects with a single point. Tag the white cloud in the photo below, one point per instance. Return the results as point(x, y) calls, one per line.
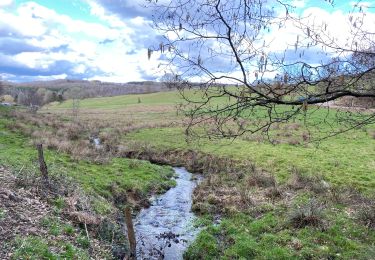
point(331, 25)
point(112, 49)
point(4, 3)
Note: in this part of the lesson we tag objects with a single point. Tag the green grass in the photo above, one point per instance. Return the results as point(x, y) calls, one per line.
point(161, 98)
point(346, 159)
point(2, 214)
point(57, 245)
point(118, 175)
point(37, 248)
point(56, 227)
point(270, 237)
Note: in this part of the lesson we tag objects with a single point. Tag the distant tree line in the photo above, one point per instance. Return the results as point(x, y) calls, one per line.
point(44, 92)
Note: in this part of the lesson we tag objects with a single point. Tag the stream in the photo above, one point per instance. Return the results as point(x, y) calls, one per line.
point(165, 229)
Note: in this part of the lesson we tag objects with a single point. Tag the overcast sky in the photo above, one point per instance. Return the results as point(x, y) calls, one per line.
point(93, 39)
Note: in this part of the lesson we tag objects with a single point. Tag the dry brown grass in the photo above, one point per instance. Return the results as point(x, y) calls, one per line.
point(299, 180)
point(131, 118)
point(366, 214)
point(293, 141)
point(260, 179)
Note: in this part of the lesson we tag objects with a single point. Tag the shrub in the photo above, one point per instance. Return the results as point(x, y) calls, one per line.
point(366, 214)
point(300, 180)
point(273, 193)
point(261, 179)
point(309, 214)
point(73, 131)
point(246, 198)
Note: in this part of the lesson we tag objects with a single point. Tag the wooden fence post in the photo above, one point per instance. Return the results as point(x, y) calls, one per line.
point(42, 164)
point(131, 233)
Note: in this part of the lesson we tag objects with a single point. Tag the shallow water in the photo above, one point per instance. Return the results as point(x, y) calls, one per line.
point(165, 229)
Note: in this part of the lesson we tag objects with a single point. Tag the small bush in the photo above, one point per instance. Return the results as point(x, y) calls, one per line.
point(112, 233)
point(273, 193)
point(261, 179)
point(309, 214)
point(73, 131)
point(366, 214)
point(300, 180)
point(348, 195)
point(246, 198)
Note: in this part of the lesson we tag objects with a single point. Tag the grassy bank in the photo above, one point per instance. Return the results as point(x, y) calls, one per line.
point(287, 200)
point(109, 179)
point(82, 190)
point(347, 159)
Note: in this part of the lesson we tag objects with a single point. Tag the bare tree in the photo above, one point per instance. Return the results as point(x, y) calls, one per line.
point(29, 97)
point(246, 84)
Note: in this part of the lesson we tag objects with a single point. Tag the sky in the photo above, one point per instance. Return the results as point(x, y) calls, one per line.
point(103, 40)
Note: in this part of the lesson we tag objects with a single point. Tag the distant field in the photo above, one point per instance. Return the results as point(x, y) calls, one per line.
point(159, 98)
point(347, 159)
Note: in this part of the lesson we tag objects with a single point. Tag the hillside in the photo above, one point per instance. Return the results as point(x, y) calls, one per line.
point(290, 199)
point(43, 92)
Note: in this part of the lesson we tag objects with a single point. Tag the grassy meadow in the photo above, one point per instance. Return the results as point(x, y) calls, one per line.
point(346, 159)
point(292, 199)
